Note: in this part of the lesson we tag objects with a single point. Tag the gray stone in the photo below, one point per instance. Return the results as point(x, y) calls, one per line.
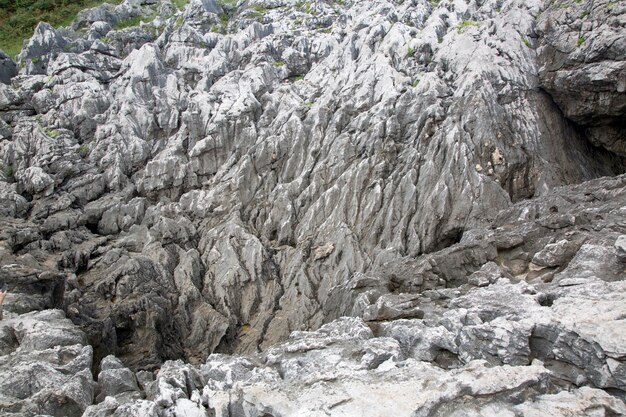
point(556, 254)
point(8, 69)
point(45, 367)
point(620, 247)
point(353, 202)
point(114, 379)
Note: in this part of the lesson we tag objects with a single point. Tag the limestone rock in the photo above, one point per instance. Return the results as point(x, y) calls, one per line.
point(583, 67)
point(45, 367)
point(8, 69)
point(114, 379)
point(310, 208)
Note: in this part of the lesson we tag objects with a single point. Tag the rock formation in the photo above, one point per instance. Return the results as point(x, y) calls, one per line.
point(290, 208)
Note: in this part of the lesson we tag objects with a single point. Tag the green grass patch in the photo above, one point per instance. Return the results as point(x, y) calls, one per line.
point(83, 150)
point(410, 52)
point(178, 23)
point(51, 133)
point(257, 11)
point(224, 19)
point(465, 24)
point(580, 41)
point(18, 18)
point(129, 23)
point(8, 171)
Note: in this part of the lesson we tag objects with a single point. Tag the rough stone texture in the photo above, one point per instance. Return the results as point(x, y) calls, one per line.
point(114, 379)
point(223, 178)
point(215, 186)
point(45, 367)
point(581, 53)
point(8, 69)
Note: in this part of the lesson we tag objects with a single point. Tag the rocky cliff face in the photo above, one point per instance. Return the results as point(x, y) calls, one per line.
point(226, 175)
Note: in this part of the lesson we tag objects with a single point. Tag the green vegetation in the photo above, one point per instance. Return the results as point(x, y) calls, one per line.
point(8, 171)
point(527, 42)
point(580, 41)
point(258, 10)
point(178, 23)
point(462, 26)
point(279, 63)
point(51, 133)
point(83, 150)
point(18, 18)
point(410, 52)
point(129, 23)
point(224, 19)
point(306, 5)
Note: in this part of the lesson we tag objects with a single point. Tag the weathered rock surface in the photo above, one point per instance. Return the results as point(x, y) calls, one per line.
point(45, 366)
point(223, 178)
point(8, 69)
point(583, 68)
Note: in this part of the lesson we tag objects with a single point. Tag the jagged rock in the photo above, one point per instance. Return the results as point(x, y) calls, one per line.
point(251, 230)
point(556, 254)
point(114, 378)
point(174, 381)
point(45, 367)
point(487, 274)
point(105, 409)
point(392, 307)
point(231, 177)
point(139, 408)
point(582, 62)
point(620, 247)
point(583, 401)
point(8, 69)
point(45, 44)
point(144, 379)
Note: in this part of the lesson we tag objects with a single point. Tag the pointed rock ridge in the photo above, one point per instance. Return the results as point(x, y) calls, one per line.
point(45, 44)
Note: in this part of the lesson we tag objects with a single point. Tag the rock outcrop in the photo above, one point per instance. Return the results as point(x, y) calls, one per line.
point(8, 69)
point(583, 68)
point(300, 208)
point(45, 366)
